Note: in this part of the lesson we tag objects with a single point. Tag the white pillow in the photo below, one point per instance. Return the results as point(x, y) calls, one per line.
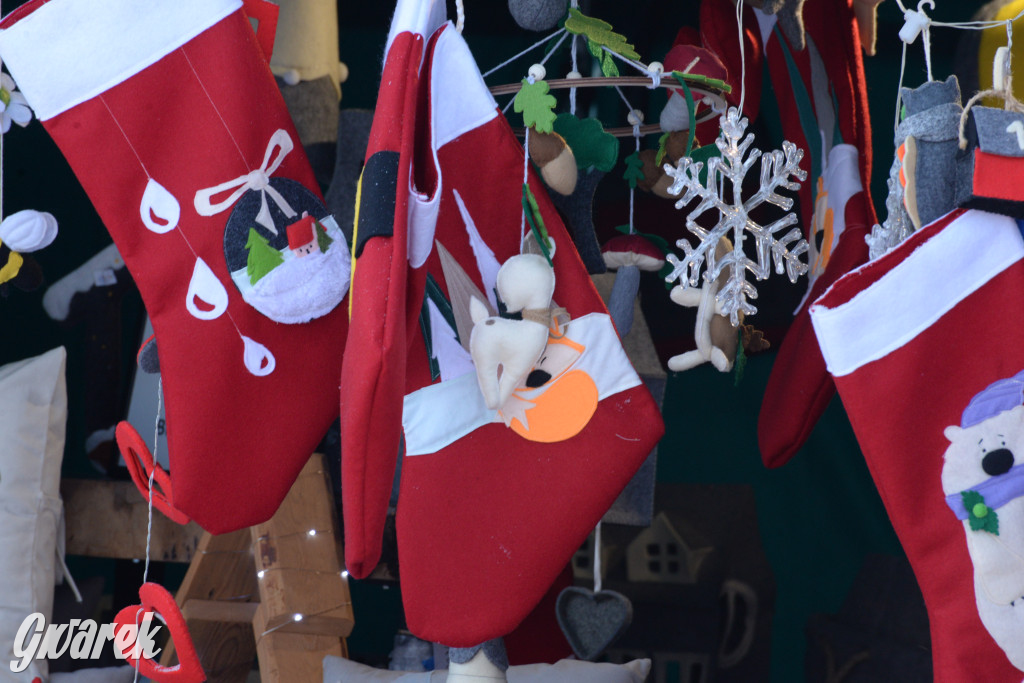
point(338, 670)
point(33, 414)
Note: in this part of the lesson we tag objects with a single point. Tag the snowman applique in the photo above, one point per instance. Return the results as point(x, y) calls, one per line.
point(983, 480)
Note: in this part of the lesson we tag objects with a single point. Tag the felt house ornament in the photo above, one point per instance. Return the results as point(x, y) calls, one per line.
point(302, 236)
point(989, 168)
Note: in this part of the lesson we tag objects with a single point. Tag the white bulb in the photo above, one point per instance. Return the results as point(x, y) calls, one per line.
point(312, 532)
point(297, 617)
point(537, 72)
point(344, 574)
point(261, 573)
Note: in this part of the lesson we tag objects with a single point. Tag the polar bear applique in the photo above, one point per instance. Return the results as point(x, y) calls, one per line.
point(983, 479)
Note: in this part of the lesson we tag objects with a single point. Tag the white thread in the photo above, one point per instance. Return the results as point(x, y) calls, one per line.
point(597, 558)
point(575, 70)
point(460, 15)
point(743, 57)
point(529, 49)
point(526, 180)
point(152, 474)
point(899, 88)
point(926, 40)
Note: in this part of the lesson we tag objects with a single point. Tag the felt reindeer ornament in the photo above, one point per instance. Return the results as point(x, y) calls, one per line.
point(170, 118)
point(439, 226)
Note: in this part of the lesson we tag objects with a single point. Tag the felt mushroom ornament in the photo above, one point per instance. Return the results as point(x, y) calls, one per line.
point(628, 255)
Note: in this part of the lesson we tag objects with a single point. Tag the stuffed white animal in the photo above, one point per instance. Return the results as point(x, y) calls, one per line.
point(505, 350)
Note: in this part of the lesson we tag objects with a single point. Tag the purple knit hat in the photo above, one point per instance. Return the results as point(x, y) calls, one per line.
point(998, 397)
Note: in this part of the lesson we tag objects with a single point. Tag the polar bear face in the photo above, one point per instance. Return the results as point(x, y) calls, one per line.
point(982, 479)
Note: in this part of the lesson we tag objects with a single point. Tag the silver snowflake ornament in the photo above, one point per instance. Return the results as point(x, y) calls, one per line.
point(779, 169)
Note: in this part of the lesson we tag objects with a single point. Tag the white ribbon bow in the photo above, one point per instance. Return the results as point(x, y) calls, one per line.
point(259, 180)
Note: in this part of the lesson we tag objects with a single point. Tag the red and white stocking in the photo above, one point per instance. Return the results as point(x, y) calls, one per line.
point(169, 116)
point(922, 344)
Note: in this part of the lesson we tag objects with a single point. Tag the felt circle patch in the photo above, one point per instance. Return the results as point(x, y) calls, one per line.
point(291, 268)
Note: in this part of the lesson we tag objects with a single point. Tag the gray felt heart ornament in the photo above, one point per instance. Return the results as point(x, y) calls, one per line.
point(592, 621)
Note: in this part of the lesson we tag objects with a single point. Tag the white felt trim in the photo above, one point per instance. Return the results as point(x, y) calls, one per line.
point(459, 97)
point(462, 405)
point(918, 291)
point(422, 17)
point(68, 51)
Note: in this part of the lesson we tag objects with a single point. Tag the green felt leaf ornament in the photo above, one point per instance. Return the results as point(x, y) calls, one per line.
point(980, 516)
point(590, 144)
point(634, 170)
point(536, 105)
point(262, 259)
point(599, 34)
point(662, 142)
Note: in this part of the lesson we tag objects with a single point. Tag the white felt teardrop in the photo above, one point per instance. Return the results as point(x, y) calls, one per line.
point(159, 210)
point(206, 290)
point(258, 358)
point(28, 230)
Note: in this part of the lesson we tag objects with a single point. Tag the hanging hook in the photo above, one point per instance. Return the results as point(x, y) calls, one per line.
point(915, 21)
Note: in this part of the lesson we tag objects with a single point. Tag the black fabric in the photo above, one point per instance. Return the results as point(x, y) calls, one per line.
point(379, 183)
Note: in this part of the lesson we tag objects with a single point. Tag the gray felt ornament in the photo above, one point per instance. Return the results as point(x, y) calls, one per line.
point(538, 15)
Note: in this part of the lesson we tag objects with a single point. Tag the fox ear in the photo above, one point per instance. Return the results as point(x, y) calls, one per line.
point(477, 310)
point(952, 432)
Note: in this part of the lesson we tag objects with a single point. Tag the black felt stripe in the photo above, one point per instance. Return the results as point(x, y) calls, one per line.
point(377, 198)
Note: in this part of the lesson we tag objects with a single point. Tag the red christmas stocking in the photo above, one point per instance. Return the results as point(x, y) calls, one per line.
point(170, 117)
point(488, 514)
point(923, 353)
point(822, 103)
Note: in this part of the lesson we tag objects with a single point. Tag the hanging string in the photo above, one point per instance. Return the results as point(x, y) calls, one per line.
point(460, 15)
point(540, 42)
point(149, 511)
point(526, 179)
point(926, 40)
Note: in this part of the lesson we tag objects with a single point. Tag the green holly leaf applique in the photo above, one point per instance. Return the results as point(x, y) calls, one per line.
point(980, 516)
point(634, 172)
point(536, 105)
point(599, 35)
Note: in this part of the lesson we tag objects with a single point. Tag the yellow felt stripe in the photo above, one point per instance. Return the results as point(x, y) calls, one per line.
point(355, 240)
point(993, 38)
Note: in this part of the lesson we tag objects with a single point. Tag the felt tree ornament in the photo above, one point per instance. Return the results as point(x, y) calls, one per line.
point(779, 169)
point(947, 470)
point(469, 577)
point(249, 369)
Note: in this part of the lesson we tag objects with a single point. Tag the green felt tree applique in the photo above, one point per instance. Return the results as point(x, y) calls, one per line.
point(536, 105)
point(263, 258)
point(634, 169)
point(981, 517)
point(323, 240)
point(599, 35)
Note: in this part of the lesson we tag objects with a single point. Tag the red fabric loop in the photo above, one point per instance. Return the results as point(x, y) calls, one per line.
point(140, 465)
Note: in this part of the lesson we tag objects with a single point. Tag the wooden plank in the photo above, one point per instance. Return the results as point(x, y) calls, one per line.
point(195, 609)
point(301, 572)
point(221, 571)
point(285, 657)
point(109, 519)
